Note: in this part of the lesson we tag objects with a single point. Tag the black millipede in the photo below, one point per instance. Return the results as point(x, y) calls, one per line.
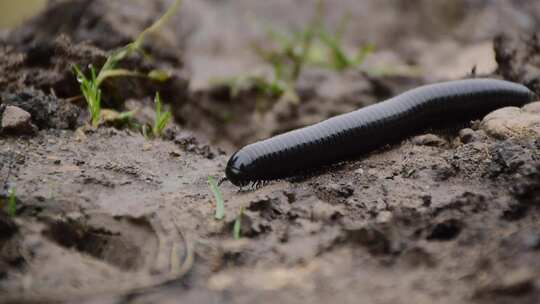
point(350, 135)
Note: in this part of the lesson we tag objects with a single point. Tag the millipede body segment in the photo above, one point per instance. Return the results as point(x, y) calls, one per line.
point(350, 135)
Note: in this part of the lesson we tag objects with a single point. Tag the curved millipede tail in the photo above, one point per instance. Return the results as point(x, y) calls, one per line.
point(352, 134)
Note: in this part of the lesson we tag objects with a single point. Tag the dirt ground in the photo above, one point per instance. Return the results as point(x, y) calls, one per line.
point(105, 215)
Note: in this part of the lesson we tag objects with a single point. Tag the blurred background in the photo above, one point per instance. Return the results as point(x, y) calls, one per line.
point(13, 13)
point(231, 41)
point(418, 32)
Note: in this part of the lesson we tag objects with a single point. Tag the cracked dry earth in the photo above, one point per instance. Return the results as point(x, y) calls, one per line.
point(106, 215)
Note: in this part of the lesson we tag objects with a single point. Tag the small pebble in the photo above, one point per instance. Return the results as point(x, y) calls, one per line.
point(466, 135)
point(17, 121)
point(431, 140)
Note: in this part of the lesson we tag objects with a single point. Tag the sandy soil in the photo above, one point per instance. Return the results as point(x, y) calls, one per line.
point(107, 216)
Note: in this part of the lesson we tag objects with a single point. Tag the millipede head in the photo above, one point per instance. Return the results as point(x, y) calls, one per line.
point(236, 170)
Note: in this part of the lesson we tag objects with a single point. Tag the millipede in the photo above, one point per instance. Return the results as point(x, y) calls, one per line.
point(350, 135)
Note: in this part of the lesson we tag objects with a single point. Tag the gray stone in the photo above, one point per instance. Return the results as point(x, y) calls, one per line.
point(17, 121)
point(512, 122)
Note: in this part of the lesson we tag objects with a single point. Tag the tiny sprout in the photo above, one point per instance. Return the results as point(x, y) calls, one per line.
point(162, 118)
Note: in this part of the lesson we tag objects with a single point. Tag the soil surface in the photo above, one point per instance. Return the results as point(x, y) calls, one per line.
point(105, 215)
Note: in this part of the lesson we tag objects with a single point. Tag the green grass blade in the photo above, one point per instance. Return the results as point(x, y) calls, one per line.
point(363, 52)
point(162, 118)
point(144, 130)
point(81, 78)
point(237, 228)
point(157, 101)
point(220, 205)
point(160, 75)
point(12, 203)
point(91, 92)
point(114, 58)
point(340, 61)
point(157, 25)
point(104, 74)
point(121, 53)
point(126, 116)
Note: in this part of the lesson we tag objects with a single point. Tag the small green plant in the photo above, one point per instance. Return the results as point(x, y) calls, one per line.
point(161, 119)
point(220, 205)
point(292, 51)
point(329, 51)
point(289, 57)
point(91, 92)
point(237, 228)
point(314, 45)
point(12, 202)
point(90, 86)
point(338, 59)
point(237, 84)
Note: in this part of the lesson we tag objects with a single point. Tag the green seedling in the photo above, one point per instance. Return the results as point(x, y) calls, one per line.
point(293, 51)
point(312, 45)
point(334, 54)
point(287, 59)
point(220, 205)
point(338, 59)
point(90, 86)
point(237, 228)
point(238, 84)
point(159, 75)
point(91, 92)
point(162, 118)
point(126, 116)
point(329, 51)
point(12, 203)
